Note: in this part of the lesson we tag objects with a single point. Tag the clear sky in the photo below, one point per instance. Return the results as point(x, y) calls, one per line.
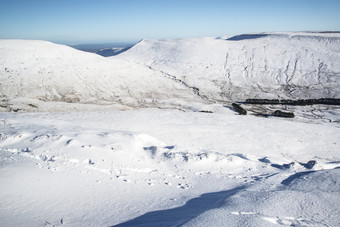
point(100, 21)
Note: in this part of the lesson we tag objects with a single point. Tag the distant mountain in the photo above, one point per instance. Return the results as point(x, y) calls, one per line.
point(112, 51)
point(97, 47)
point(42, 76)
point(265, 65)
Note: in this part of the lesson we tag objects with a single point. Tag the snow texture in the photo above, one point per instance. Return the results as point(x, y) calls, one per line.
point(155, 167)
point(268, 65)
point(186, 160)
point(170, 73)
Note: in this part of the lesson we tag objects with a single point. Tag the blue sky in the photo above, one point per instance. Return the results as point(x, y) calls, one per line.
point(102, 21)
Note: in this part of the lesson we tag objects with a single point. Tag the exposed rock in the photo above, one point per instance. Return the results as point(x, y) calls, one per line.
point(299, 102)
point(283, 166)
point(279, 113)
point(239, 109)
point(309, 165)
point(264, 160)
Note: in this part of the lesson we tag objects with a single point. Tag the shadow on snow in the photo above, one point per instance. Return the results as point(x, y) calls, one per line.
point(291, 178)
point(181, 215)
point(246, 36)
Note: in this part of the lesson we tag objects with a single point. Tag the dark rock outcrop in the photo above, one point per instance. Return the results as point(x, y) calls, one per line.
point(299, 102)
point(283, 166)
point(205, 111)
point(279, 113)
point(239, 109)
point(309, 165)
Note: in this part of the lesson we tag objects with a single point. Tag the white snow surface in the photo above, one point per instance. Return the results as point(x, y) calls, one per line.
point(146, 138)
point(153, 167)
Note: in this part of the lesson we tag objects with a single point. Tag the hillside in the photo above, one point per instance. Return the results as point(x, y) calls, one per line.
point(35, 73)
point(267, 65)
point(42, 76)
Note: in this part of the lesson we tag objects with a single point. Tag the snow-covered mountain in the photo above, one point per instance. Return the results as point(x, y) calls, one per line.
point(267, 65)
point(35, 73)
point(108, 52)
point(169, 167)
point(168, 73)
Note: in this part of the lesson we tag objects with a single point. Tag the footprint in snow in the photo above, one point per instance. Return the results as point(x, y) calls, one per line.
point(287, 221)
point(183, 186)
point(68, 142)
point(26, 150)
point(168, 183)
point(89, 161)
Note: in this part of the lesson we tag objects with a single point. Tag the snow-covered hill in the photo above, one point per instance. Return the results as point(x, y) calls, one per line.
point(170, 73)
point(268, 65)
point(35, 73)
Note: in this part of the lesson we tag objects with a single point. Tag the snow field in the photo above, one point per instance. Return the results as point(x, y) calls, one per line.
point(213, 169)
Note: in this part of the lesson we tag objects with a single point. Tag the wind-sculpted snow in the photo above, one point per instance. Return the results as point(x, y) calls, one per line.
point(35, 73)
point(268, 65)
point(156, 167)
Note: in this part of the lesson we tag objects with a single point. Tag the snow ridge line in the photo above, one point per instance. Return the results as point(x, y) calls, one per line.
point(319, 73)
point(278, 76)
point(286, 72)
point(195, 90)
point(265, 59)
point(259, 86)
point(294, 70)
point(227, 69)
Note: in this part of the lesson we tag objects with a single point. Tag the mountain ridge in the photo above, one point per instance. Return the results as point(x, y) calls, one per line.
point(272, 65)
point(170, 73)
point(34, 73)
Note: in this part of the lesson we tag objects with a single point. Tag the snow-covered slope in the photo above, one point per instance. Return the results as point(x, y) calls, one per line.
point(156, 167)
point(168, 73)
point(34, 73)
point(268, 65)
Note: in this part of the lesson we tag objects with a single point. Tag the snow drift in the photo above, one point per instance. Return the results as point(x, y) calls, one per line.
point(153, 167)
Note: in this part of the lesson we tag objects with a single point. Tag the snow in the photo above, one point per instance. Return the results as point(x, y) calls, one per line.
point(35, 73)
point(166, 167)
point(267, 65)
point(169, 73)
point(148, 138)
